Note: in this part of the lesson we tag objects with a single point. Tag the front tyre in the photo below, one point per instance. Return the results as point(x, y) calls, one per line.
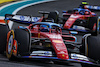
point(91, 47)
point(93, 43)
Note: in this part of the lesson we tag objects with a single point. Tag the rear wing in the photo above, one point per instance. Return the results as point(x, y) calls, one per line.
point(44, 13)
point(21, 18)
point(95, 7)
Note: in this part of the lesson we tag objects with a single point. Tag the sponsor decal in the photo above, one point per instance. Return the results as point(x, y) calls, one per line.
point(26, 18)
point(63, 55)
point(60, 48)
point(92, 7)
point(41, 53)
point(78, 27)
point(61, 52)
point(55, 36)
point(74, 16)
point(71, 19)
point(79, 57)
point(22, 17)
point(57, 41)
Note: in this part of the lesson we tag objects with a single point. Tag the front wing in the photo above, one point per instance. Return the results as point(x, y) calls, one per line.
point(67, 60)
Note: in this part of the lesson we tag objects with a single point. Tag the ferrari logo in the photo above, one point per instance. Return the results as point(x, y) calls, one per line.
point(63, 55)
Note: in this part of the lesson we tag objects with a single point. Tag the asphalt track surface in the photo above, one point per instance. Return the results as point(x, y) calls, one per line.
point(58, 5)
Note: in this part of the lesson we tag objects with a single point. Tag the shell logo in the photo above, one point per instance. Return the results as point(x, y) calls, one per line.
point(57, 41)
point(71, 19)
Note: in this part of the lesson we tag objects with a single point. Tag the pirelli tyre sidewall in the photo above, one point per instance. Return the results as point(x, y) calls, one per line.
point(92, 47)
point(3, 37)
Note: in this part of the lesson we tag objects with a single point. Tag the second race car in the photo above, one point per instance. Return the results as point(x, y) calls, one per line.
point(82, 20)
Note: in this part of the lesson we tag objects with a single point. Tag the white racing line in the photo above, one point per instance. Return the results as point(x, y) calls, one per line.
point(15, 11)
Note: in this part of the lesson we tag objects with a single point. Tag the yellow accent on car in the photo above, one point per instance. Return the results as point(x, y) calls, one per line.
point(3, 1)
point(9, 43)
point(57, 41)
point(12, 31)
point(71, 19)
point(63, 55)
point(38, 35)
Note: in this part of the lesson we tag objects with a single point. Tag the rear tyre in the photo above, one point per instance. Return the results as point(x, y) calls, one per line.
point(3, 37)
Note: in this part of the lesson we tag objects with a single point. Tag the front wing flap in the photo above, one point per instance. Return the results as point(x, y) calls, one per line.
point(67, 60)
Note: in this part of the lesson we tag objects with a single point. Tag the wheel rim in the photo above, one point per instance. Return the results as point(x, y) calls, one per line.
point(10, 43)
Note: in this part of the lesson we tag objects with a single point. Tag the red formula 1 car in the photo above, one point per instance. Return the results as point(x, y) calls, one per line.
point(82, 20)
point(44, 40)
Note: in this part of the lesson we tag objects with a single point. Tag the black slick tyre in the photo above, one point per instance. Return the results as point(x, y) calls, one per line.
point(91, 47)
point(23, 39)
point(3, 37)
point(23, 44)
point(94, 25)
point(93, 43)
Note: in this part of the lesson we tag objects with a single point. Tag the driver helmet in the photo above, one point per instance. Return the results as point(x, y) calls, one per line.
point(84, 3)
point(86, 13)
point(44, 28)
point(76, 12)
point(81, 12)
